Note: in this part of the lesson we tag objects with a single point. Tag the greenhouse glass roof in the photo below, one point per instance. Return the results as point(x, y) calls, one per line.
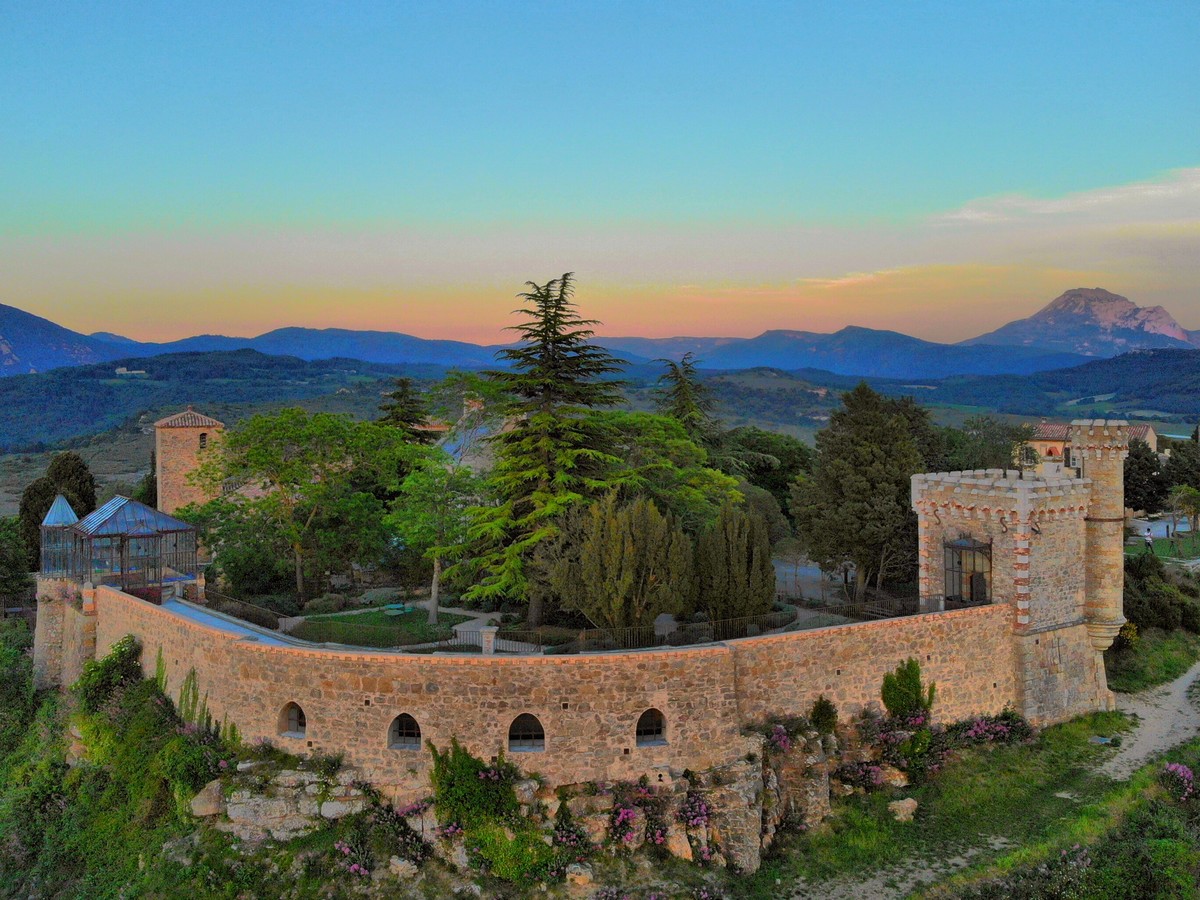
point(122, 516)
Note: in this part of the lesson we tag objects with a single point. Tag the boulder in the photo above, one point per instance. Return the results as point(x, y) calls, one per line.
point(595, 825)
point(903, 810)
point(677, 842)
point(210, 801)
point(336, 809)
point(402, 868)
point(893, 777)
point(526, 791)
point(579, 874)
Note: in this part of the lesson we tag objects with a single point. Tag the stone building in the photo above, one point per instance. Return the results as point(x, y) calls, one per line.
point(180, 442)
point(1052, 440)
point(1050, 547)
point(1021, 579)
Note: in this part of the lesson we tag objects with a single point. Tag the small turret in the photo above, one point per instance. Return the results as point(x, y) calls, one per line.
point(1099, 448)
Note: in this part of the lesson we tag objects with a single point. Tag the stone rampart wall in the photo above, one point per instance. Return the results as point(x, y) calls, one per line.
point(588, 704)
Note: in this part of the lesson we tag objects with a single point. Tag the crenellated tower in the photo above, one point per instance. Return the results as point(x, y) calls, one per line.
point(1049, 545)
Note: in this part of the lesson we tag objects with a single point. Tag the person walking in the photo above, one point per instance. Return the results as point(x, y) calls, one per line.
point(1149, 540)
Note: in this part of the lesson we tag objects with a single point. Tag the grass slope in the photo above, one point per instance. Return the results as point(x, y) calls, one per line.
point(1159, 657)
point(1007, 792)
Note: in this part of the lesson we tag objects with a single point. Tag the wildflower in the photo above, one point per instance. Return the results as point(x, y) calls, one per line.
point(1179, 781)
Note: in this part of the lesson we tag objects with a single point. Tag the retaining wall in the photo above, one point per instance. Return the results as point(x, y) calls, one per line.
point(588, 704)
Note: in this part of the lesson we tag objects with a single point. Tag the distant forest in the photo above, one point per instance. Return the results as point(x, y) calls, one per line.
point(56, 408)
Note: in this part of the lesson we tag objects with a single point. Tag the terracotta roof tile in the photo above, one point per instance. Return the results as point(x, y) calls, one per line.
point(189, 418)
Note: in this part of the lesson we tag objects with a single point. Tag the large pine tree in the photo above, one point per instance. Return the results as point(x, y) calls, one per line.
point(555, 454)
point(855, 507)
point(406, 410)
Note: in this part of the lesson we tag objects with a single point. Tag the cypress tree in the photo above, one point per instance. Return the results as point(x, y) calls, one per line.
point(856, 505)
point(733, 564)
point(620, 565)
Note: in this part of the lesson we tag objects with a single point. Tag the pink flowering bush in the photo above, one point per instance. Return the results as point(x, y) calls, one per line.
point(694, 812)
point(780, 739)
point(865, 775)
point(1179, 781)
point(449, 831)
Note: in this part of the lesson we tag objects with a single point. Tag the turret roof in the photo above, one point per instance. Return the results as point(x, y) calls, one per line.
point(60, 515)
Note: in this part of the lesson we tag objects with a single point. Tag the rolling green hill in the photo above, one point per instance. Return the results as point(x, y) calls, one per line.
point(55, 407)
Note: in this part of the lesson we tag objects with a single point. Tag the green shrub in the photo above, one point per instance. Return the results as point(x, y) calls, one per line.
point(1189, 616)
point(102, 678)
point(325, 604)
point(469, 791)
point(524, 857)
point(824, 716)
point(15, 634)
point(187, 765)
point(903, 694)
point(1145, 567)
point(17, 705)
point(1127, 638)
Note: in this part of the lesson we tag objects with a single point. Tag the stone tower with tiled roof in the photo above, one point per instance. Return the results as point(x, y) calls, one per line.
point(179, 443)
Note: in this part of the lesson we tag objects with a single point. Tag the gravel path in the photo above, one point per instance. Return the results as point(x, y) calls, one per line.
point(1166, 717)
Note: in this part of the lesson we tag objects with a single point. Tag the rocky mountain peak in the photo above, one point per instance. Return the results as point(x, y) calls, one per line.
point(1108, 311)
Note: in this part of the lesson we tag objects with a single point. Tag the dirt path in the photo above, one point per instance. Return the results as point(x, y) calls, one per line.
point(898, 881)
point(1166, 717)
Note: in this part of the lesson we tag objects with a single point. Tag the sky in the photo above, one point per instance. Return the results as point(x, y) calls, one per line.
point(705, 168)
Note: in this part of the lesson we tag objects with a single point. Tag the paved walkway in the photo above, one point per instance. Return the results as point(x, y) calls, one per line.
point(223, 623)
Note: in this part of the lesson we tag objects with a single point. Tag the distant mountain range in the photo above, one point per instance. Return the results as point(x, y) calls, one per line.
point(1082, 324)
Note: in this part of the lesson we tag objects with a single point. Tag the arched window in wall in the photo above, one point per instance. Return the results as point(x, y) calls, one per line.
point(526, 735)
point(404, 734)
point(292, 721)
point(203, 439)
point(651, 729)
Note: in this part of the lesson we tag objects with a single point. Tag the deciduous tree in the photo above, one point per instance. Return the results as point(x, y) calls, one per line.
point(16, 584)
point(430, 514)
point(1146, 485)
point(68, 474)
point(296, 468)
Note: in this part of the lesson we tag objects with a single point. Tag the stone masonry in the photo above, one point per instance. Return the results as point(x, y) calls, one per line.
point(1055, 578)
point(179, 443)
point(1057, 564)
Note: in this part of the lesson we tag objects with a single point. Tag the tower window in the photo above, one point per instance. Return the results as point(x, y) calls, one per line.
point(968, 572)
point(203, 439)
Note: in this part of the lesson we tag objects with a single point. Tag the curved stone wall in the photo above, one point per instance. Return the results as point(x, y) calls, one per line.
point(588, 704)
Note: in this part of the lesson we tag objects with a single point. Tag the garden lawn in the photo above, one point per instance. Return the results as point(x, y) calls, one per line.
point(1007, 792)
point(1159, 657)
point(1187, 548)
point(377, 629)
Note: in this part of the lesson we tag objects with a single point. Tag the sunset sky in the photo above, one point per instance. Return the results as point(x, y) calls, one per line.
point(705, 168)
